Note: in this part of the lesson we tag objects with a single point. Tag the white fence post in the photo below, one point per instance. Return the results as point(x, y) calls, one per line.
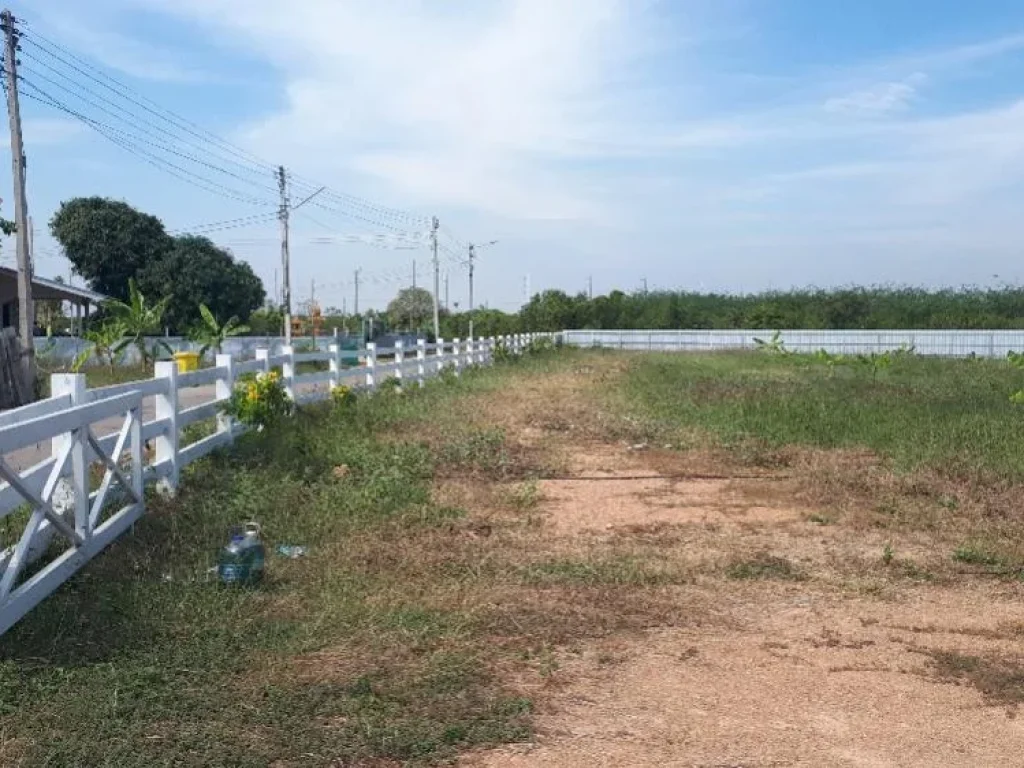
point(371, 365)
point(166, 407)
point(225, 388)
point(288, 371)
point(421, 362)
point(439, 354)
point(400, 363)
point(457, 353)
point(70, 498)
point(335, 364)
point(263, 355)
point(490, 349)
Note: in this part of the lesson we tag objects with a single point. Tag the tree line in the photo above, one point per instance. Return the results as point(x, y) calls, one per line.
point(841, 308)
point(110, 243)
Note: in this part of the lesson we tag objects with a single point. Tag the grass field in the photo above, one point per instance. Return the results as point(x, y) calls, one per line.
point(436, 604)
point(953, 415)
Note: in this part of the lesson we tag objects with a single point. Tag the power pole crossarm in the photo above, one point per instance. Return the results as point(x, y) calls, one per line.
point(26, 312)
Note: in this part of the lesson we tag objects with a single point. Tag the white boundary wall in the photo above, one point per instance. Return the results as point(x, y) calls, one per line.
point(72, 430)
point(993, 344)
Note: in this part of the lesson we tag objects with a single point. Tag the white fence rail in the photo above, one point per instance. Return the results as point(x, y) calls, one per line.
point(993, 344)
point(50, 449)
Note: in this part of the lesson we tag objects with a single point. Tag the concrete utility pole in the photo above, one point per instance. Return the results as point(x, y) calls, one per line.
point(472, 258)
point(26, 312)
point(590, 287)
point(355, 304)
point(437, 277)
point(414, 273)
point(286, 290)
point(312, 304)
point(472, 255)
point(446, 305)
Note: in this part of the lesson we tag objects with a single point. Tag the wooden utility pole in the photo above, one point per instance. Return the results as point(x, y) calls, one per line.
point(286, 290)
point(26, 312)
point(437, 277)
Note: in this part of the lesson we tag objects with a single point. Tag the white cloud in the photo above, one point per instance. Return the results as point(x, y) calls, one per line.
point(462, 105)
point(97, 34)
point(880, 99)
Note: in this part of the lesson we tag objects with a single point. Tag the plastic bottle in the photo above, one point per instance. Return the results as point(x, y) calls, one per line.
point(242, 560)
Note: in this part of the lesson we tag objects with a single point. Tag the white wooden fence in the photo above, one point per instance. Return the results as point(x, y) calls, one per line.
point(48, 450)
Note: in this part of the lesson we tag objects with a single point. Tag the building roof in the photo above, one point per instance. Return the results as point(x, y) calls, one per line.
point(44, 289)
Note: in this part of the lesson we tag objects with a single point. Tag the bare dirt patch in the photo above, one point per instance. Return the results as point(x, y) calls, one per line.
point(823, 633)
point(603, 503)
point(809, 681)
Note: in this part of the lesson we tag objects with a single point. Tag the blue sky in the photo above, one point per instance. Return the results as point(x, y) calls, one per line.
point(729, 145)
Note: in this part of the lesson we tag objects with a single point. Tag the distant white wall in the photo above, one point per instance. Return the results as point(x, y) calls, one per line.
point(61, 350)
point(925, 342)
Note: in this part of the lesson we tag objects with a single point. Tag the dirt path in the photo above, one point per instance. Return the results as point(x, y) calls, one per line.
point(812, 644)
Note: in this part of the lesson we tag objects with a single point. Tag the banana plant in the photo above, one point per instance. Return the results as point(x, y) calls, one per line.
point(102, 342)
point(139, 320)
point(876, 362)
point(211, 334)
point(774, 346)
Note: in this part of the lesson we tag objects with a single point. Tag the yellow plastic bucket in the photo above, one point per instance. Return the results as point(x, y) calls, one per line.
point(187, 361)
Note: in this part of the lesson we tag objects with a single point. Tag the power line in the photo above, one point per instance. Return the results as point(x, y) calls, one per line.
point(155, 160)
point(220, 226)
point(126, 92)
point(142, 126)
point(365, 210)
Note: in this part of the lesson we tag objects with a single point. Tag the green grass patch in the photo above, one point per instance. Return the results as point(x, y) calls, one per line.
point(615, 571)
point(764, 566)
point(975, 555)
point(953, 414)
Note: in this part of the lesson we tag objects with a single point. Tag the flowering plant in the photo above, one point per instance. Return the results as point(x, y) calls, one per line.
point(343, 396)
point(262, 402)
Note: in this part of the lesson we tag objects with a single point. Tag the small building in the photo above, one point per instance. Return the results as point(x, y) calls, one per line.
point(82, 300)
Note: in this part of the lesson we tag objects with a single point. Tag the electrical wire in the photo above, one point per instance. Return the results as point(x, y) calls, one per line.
point(217, 226)
point(158, 162)
point(152, 132)
point(128, 136)
point(364, 210)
